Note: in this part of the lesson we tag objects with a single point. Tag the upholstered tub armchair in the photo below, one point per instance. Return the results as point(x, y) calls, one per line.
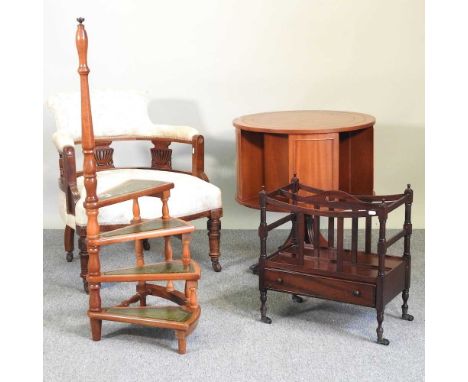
point(123, 116)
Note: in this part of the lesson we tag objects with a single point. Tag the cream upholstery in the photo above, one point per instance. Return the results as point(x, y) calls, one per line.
point(125, 113)
point(190, 195)
point(115, 113)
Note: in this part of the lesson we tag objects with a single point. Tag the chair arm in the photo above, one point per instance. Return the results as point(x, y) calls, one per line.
point(68, 177)
point(198, 157)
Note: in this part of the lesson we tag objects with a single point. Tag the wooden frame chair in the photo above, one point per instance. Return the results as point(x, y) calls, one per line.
point(123, 116)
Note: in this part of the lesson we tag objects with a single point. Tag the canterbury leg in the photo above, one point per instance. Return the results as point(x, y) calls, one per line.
point(380, 318)
point(404, 307)
point(263, 308)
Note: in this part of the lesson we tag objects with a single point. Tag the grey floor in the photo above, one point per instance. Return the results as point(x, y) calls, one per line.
point(314, 341)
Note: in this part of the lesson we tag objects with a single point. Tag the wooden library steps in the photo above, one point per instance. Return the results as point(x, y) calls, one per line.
point(183, 316)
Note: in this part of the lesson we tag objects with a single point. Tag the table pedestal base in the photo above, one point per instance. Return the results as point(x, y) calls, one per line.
point(309, 222)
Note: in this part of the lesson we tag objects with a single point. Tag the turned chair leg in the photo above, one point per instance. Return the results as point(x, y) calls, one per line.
point(380, 318)
point(182, 341)
point(84, 257)
point(214, 235)
point(404, 307)
point(68, 237)
point(263, 308)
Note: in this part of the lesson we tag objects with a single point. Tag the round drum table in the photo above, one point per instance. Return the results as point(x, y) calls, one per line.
point(328, 150)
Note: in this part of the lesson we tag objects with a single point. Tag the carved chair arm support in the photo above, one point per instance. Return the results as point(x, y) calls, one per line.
point(67, 163)
point(161, 155)
point(198, 157)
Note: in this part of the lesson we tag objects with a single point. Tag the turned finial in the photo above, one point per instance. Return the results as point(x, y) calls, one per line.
point(295, 183)
point(82, 47)
point(409, 193)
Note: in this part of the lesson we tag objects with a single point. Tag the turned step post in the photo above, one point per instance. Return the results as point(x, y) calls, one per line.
point(167, 239)
point(140, 260)
point(90, 180)
point(168, 257)
point(186, 238)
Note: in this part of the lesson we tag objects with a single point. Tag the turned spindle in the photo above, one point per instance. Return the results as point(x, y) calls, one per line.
point(89, 177)
point(186, 249)
point(165, 207)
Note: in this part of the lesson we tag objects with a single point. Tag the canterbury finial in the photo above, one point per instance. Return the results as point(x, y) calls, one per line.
point(80, 20)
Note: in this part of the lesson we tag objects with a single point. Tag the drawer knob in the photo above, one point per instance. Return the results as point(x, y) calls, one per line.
point(356, 293)
point(279, 280)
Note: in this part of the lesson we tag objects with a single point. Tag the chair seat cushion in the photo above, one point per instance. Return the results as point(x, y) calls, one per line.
point(190, 195)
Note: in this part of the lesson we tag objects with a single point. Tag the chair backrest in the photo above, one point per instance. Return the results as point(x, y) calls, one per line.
point(115, 113)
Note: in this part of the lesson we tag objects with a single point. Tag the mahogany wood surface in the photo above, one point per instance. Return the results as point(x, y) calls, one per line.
point(304, 121)
point(332, 272)
point(327, 149)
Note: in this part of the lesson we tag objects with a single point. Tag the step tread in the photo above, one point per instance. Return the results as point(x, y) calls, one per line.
point(149, 225)
point(174, 266)
point(145, 230)
point(163, 313)
point(132, 188)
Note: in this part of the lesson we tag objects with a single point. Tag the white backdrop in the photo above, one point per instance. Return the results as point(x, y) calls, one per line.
point(206, 62)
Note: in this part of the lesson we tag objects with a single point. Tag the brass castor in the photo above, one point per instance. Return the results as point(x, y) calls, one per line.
point(69, 256)
point(216, 265)
point(407, 317)
point(254, 269)
point(383, 341)
point(266, 320)
point(297, 298)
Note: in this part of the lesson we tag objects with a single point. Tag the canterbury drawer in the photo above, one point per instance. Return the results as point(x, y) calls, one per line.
point(324, 287)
